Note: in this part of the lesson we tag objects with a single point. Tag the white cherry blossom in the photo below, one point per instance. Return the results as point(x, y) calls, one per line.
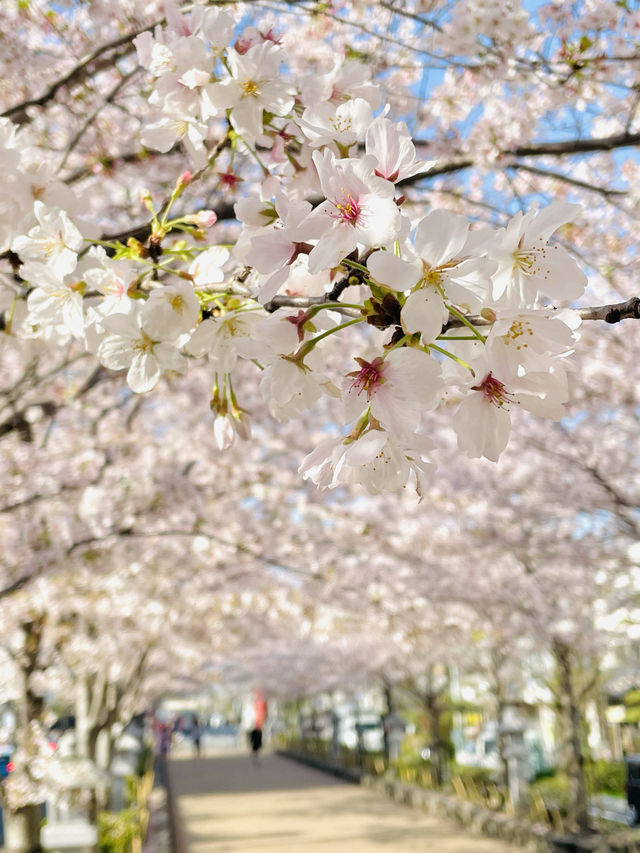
point(254, 86)
point(178, 123)
point(376, 460)
point(54, 241)
point(226, 338)
point(359, 210)
point(392, 146)
point(343, 125)
point(439, 270)
point(398, 389)
point(290, 387)
point(53, 301)
point(207, 267)
point(128, 346)
point(170, 311)
point(530, 265)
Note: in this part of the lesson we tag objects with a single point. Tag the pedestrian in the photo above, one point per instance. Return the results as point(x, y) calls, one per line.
point(166, 733)
point(196, 734)
point(255, 741)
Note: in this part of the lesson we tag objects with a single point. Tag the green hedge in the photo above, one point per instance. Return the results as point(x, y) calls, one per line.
point(117, 830)
point(607, 777)
point(477, 775)
point(603, 777)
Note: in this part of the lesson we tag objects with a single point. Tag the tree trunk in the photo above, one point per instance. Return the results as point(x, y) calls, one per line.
point(573, 723)
point(436, 746)
point(498, 688)
point(22, 827)
point(388, 699)
point(22, 830)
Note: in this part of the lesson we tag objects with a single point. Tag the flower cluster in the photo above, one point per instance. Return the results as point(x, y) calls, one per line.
point(435, 314)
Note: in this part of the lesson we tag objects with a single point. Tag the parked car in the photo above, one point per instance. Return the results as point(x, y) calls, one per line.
point(62, 735)
point(6, 764)
point(632, 763)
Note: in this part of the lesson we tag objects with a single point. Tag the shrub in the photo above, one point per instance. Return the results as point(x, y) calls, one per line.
point(607, 777)
point(554, 792)
point(117, 830)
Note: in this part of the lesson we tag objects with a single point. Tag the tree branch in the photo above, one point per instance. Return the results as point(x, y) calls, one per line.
point(574, 182)
point(76, 74)
point(90, 118)
point(629, 310)
point(239, 547)
point(536, 149)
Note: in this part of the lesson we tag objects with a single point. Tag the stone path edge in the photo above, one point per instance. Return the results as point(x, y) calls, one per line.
point(176, 831)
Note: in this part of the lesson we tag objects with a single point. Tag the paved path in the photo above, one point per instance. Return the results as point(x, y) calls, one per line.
point(228, 804)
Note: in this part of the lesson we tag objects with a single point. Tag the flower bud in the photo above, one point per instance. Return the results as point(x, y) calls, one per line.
point(203, 218)
point(146, 199)
point(183, 181)
point(488, 314)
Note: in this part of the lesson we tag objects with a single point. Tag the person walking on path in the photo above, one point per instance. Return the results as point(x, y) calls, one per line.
point(196, 734)
point(255, 741)
point(260, 712)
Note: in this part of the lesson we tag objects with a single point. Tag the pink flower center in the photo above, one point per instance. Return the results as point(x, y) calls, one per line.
point(298, 321)
point(228, 179)
point(347, 209)
point(494, 391)
point(369, 377)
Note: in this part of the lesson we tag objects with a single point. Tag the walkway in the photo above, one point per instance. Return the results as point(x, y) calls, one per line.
point(228, 804)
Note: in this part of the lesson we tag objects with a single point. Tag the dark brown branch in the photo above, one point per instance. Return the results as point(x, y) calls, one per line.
point(284, 301)
point(82, 69)
point(79, 72)
point(574, 182)
point(108, 163)
point(65, 487)
point(16, 585)
point(91, 118)
point(577, 146)
point(18, 421)
point(536, 149)
point(142, 232)
point(623, 507)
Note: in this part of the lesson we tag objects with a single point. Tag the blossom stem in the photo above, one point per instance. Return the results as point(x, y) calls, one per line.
point(361, 424)
point(355, 265)
point(449, 355)
point(254, 154)
point(108, 244)
point(466, 323)
point(307, 346)
point(331, 306)
point(9, 317)
point(397, 344)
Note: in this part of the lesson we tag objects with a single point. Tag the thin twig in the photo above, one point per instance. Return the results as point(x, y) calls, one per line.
point(574, 182)
point(78, 72)
point(90, 118)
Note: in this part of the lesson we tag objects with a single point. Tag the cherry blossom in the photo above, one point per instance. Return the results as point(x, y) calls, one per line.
point(129, 346)
point(359, 210)
point(54, 240)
